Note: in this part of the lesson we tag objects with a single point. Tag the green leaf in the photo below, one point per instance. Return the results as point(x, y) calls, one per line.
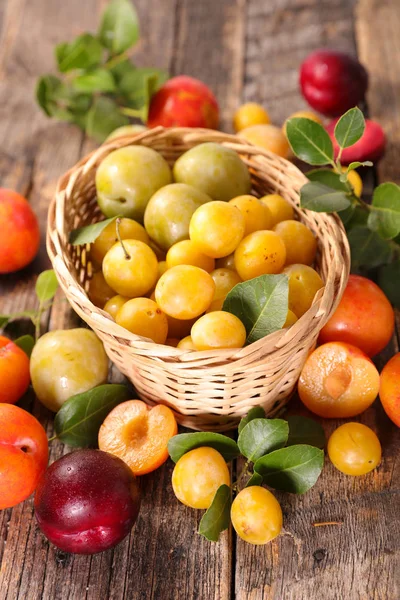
point(61, 101)
point(389, 281)
point(321, 198)
point(26, 343)
point(98, 80)
point(217, 517)
point(4, 320)
point(260, 303)
point(368, 249)
point(333, 180)
point(78, 421)
point(184, 442)
point(79, 103)
point(28, 314)
point(385, 211)
point(83, 53)
point(46, 285)
point(309, 141)
point(294, 469)
point(257, 412)
point(121, 69)
point(303, 430)
point(134, 82)
point(357, 163)
point(327, 177)
point(47, 89)
point(119, 28)
point(347, 214)
point(61, 51)
point(354, 216)
point(350, 128)
point(103, 117)
point(139, 86)
point(255, 479)
point(88, 234)
point(262, 436)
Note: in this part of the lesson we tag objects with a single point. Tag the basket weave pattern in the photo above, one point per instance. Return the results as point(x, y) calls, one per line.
point(211, 389)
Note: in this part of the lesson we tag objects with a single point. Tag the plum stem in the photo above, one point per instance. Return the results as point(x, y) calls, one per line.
point(117, 224)
point(115, 60)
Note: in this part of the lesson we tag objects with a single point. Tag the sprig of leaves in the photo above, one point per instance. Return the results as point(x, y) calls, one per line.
point(98, 88)
point(287, 455)
point(373, 230)
point(45, 288)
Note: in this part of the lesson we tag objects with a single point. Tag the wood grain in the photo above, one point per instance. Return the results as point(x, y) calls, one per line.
point(164, 544)
point(245, 50)
point(279, 35)
point(359, 559)
point(377, 28)
point(209, 44)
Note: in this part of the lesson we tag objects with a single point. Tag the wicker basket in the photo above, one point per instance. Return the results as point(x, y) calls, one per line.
point(207, 390)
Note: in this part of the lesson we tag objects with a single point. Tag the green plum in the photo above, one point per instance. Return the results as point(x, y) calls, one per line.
point(125, 130)
point(215, 170)
point(65, 363)
point(127, 178)
point(169, 211)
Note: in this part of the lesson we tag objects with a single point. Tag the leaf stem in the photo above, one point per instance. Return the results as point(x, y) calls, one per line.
point(37, 326)
point(54, 437)
point(115, 60)
point(395, 248)
point(339, 170)
point(243, 473)
point(131, 112)
point(117, 224)
point(37, 320)
point(363, 204)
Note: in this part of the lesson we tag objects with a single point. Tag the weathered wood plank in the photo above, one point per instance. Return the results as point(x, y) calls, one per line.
point(209, 45)
point(358, 559)
point(164, 558)
point(377, 31)
point(164, 541)
point(34, 153)
point(279, 35)
point(178, 563)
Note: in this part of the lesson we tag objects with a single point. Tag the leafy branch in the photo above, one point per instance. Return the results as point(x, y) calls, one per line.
point(373, 229)
point(286, 455)
point(98, 88)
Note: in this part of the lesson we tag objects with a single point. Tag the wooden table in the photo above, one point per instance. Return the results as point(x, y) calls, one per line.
point(245, 50)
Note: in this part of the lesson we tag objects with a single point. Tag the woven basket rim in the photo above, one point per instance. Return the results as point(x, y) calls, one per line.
point(57, 237)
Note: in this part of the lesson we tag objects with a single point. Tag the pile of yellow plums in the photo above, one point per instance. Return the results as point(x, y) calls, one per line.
point(184, 238)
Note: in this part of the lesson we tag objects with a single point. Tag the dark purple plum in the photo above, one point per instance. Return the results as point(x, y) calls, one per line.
point(87, 502)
